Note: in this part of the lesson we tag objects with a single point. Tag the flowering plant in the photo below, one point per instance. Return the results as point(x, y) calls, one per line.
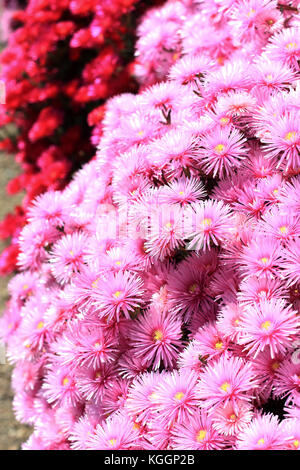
point(63, 60)
point(157, 305)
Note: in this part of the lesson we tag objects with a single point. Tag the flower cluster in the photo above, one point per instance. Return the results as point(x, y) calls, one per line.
point(158, 301)
point(63, 60)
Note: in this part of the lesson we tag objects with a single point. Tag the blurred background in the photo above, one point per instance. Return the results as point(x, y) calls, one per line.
point(12, 433)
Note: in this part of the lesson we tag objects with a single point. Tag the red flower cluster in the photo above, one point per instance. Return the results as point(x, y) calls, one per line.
point(63, 60)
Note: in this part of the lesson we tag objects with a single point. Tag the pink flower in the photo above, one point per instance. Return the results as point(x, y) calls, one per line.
point(174, 397)
point(117, 433)
point(226, 380)
point(222, 151)
point(197, 434)
point(156, 338)
point(263, 433)
point(269, 324)
point(208, 222)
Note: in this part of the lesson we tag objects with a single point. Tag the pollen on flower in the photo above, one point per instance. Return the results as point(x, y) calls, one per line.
point(158, 335)
point(201, 435)
point(117, 294)
point(260, 442)
point(290, 136)
point(296, 443)
point(283, 229)
point(219, 345)
point(225, 387)
point(266, 325)
point(192, 289)
point(206, 222)
point(291, 46)
point(219, 148)
point(65, 381)
point(112, 442)
point(264, 260)
point(179, 396)
point(40, 325)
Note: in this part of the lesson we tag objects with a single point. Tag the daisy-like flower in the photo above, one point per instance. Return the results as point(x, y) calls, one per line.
point(269, 324)
point(190, 70)
point(117, 295)
point(183, 191)
point(254, 289)
point(268, 75)
point(139, 401)
point(50, 208)
point(187, 290)
point(67, 256)
point(290, 271)
point(174, 397)
point(227, 380)
point(208, 222)
point(197, 433)
point(190, 358)
point(210, 341)
point(173, 152)
point(261, 256)
point(60, 386)
point(263, 433)
point(280, 224)
point(287, 380)
point(166, 231)
point(285, 47)
point(117, 433)
point(228, 320)
point(222, 151)
point(282, 140)
point(232, 420)
point(156, 338)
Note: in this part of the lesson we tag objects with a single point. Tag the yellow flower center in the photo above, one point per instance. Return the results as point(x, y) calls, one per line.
point(40, 325)
point(118, 263)
point(251, 12)
point(179, 396)
point(71, 253)
point(219, 345)
point(219, 148)
point(117, 294)
point(225, 386)
point(283, 229)
point(112, 442)
point(95, 283)
point(206, 222)
point(224, 120)
point(25, 286)
point(168, 225)
point(275, 365)
point(290, 136)
point(291, 45)
point(158, 335)
point(193, 288)
point(201, 435)
point(296, 443)
point(261, 442)
point(264, 260)
point(181, 193)
point(266, 325)
point(66, 381)
point(233, 417)
point(140, 133)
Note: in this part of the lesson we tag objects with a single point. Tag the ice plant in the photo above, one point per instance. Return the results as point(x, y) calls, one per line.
point(157, 301)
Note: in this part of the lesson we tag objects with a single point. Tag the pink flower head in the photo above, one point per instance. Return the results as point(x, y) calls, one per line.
point(227, 380)
point(222, 151)
point(174, 397)
point(263, 433)
point(208, 222)
point(117, 295)
point(117, 433)
point(197, 433)
point(156, 338)
point(232, 420)
point(269, 324)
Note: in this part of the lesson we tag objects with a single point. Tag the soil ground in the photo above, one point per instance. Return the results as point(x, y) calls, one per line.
point(12, 433)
